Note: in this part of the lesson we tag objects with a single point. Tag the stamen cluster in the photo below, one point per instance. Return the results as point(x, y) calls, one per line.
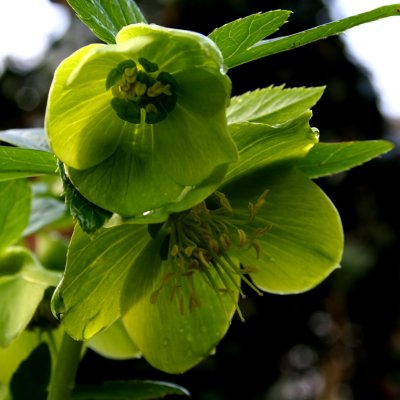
point(199, 241)
point(139, 90)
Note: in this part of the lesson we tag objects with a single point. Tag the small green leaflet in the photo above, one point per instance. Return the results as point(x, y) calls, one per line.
point(262, 145)
point(234, 39)
point(330, 158)
point(105, 17)
point(230, 35)
point(272, 105)
point(128, 390)
point(15, 200)
point(23, 163)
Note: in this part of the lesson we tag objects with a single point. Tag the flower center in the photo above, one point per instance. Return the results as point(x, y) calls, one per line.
point(199, 241)
point(140, 90)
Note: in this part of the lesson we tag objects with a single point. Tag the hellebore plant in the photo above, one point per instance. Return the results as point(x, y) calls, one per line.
point(180, 196)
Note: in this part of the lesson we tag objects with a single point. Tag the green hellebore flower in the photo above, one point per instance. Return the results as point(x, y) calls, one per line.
point(177, 284)
point(141, 125)
point(216, 247)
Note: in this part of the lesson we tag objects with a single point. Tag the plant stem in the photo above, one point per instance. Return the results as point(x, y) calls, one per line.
point(63, 379)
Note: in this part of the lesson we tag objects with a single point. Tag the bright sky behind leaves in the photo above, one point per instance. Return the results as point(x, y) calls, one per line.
point(28, 26)
point(376, 46)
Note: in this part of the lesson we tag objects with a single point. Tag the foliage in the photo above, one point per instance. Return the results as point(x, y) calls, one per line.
point(177, 196)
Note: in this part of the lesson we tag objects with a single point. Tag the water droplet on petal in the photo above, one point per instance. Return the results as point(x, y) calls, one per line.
point(57, 304)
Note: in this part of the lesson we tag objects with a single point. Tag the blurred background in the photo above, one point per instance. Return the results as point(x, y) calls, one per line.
point(341, 340)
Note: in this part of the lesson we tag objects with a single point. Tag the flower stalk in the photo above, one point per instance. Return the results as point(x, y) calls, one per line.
point(63, 379)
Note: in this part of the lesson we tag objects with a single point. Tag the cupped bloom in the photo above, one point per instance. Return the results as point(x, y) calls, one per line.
point(176, 285)
point(270, 240)
point(141, 125)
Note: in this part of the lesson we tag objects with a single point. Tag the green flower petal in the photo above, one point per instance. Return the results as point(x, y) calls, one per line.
point(151, 196)
point(115, 343)
point(172, 50)
point(303, 242)
point(82, 128)
point(177, 337)
point(184, 141)
point(196, 132)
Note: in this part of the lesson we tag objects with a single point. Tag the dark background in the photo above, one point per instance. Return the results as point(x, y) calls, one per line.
point(341, 340)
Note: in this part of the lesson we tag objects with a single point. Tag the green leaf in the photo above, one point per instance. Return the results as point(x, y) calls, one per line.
point(22, 284)
point(32, 138)
point(23, 163)
point(88, 299)
point(44, 211)
point(266, 48)
point(32, 376)
point(330, 158)
point(128, 390)
point(303, 241)
point(185, 318)
point(106, 18)
point(262, 145)
point(234, 39)
point(15, 200)
point(114, 342)
point(272, 105)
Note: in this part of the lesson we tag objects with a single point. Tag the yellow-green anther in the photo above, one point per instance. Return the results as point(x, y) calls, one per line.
point(131, 79)
point(130, 72)
point(115, 90)
point(174, 250)
point(159, 88)
point(140, 88)
point(151, 108)
point(167, 90)
point(124, 88)
point(242, 237)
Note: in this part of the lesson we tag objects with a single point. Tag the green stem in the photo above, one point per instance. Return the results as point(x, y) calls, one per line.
point(63, 379)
